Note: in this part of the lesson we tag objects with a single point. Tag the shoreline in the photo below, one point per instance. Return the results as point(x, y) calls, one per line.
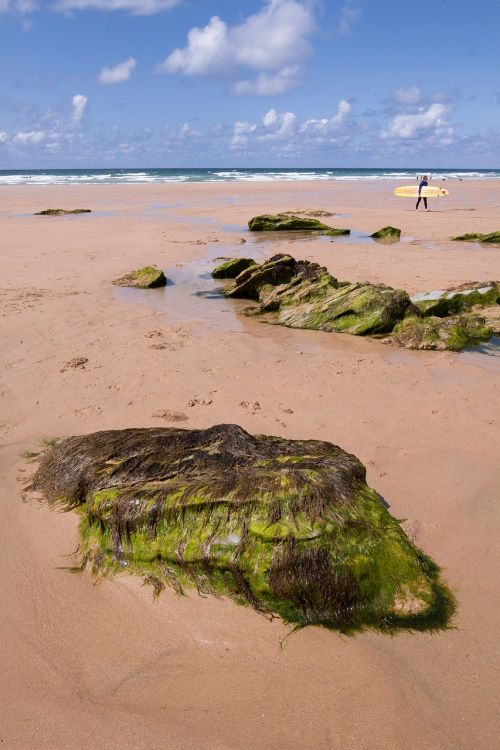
point(107, 664)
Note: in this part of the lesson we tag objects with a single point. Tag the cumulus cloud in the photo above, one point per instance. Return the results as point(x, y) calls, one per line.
point(424, 122)
point(325, 125)
point(80, 104)
point(411, 95)
point(119, 73)
point(271, 42)
point(136, 7)
point(241, 132)
point(28, 137)
point(3, 136)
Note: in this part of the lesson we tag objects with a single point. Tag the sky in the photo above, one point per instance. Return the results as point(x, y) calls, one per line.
point(283, 83)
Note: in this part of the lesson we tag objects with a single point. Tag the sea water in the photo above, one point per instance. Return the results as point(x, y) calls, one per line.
point(132, 176)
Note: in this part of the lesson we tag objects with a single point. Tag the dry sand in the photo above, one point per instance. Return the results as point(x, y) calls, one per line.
point(85, 666)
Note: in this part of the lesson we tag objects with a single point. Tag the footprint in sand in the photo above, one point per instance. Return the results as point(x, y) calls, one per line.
point(252, 406)
point(199, 402)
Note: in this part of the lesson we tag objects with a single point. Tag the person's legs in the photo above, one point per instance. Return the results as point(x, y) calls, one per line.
point(418, 201)
point(425, 204)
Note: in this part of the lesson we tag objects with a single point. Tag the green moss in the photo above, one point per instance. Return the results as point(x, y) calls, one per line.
point(230, 269)
point(289, 527)
point(493, 237)
point(387, 233)
point(148, 277)
point(453, 333)
point(286, 223)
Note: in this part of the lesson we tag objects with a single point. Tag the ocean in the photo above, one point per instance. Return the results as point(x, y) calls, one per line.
point(131, 176)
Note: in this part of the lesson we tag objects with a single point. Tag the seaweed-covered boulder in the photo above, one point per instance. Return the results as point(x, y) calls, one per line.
point(287, 526)
point(285, 223)
point(493, 237)
point(453, 333)
point(231, 268)
point(148, 277)
point(305, 295)
point(458, 299)
point(63, 211)
point(387, 233)
point(361, 309)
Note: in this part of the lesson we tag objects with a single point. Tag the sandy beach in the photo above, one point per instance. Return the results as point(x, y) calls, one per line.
point(106, 666)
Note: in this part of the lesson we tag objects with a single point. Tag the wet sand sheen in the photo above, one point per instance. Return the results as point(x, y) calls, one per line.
point(104, 666)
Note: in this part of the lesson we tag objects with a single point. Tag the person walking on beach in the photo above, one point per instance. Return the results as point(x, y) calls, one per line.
point(423, 183)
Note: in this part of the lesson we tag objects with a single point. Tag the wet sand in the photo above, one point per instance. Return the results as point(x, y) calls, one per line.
point(106, 666)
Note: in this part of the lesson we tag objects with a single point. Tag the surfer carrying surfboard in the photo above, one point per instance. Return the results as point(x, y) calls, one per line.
point(424, 182)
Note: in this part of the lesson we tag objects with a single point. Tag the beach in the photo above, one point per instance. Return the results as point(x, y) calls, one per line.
point(106, 666)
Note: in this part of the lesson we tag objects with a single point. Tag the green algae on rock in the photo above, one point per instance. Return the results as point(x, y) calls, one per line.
point(63, 211)
point(387, 233)
point(231, 268)
point(493, 237)
point(309, 212)
point(305, 295)
point(286, 223)
point(289, 527)
point(453, 333)
point(443, 302)
point(301, 294)
point(148, 277)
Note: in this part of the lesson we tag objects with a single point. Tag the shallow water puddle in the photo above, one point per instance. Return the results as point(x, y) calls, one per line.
point(192, 294)
point(485, 355)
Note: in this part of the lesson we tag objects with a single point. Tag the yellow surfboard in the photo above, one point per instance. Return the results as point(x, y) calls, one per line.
point(411, 191)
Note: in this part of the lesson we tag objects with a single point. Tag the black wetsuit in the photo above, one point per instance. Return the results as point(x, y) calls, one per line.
point(423, 183)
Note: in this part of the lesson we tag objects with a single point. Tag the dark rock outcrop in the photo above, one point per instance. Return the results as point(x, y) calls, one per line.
point(387, 233)
point(492, 237)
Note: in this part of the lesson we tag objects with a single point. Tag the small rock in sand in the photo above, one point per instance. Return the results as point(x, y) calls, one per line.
point(77, 363)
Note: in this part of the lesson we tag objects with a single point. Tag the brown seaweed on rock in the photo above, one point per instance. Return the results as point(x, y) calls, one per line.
point(287, 526)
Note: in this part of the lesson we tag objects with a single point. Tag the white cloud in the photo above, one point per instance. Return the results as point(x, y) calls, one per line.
point(80, 104)
point(429, 121)
point(186, 132)
point(326, 126)
point(136, 7)
point(273, 84)
point(278, 126)
point(271, 42)
point(119, 73)
point(411, 95)
point(28, 137)
point(3, 136)
point(241, 132)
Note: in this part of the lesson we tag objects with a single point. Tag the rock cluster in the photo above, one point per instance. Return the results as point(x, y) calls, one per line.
point(301, 294)
point(286, 222)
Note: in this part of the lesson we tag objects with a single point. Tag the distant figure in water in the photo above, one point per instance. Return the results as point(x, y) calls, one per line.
point(423, 183)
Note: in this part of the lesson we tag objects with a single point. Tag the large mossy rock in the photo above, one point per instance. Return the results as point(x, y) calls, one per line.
point(453, 333)
point(148, 277)
point(493, 237)
point(287, 526)
point(63, 211)
point(387, 233)
point(458, 299)
point(305, 295)
point(286, 223)
point(231, 268)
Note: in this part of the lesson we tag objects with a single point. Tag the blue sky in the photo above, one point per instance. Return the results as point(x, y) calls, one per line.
point(160, 83)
